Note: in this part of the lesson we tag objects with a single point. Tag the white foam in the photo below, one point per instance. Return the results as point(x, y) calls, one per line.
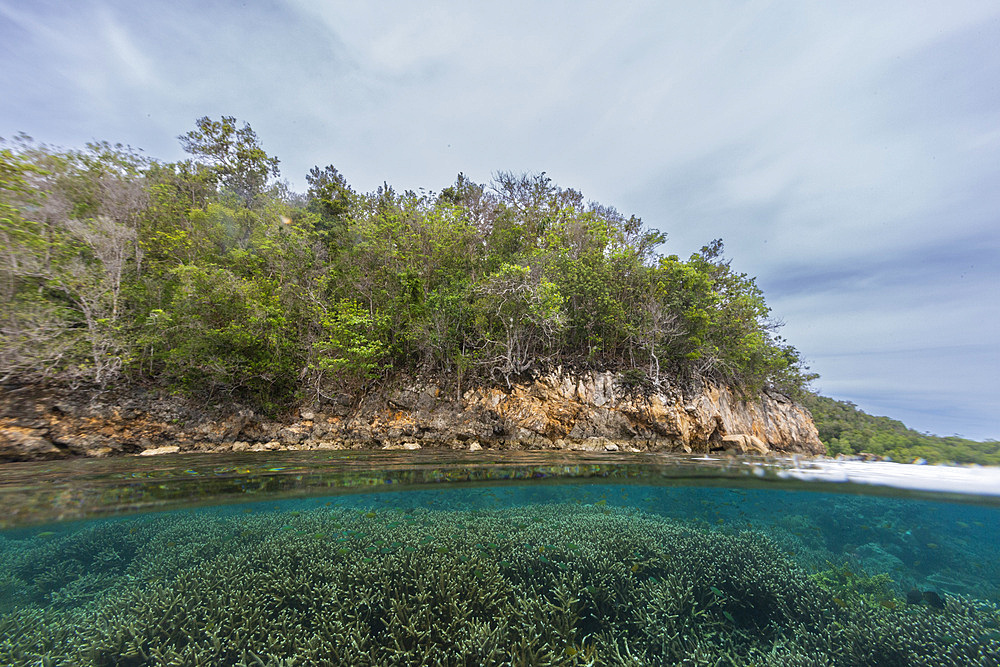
point(943, 479)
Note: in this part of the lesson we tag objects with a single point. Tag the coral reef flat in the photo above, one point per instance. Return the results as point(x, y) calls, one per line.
point(534, 575)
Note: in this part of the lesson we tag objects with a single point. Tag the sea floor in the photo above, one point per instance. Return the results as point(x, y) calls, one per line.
point(532, 574)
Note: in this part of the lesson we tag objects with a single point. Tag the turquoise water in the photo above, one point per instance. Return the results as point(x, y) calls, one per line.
point(511, 559)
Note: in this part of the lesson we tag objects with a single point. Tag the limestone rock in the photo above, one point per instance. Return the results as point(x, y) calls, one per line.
point(746, 444)
point(588, 411)
point(167, 449)
point(25, 444)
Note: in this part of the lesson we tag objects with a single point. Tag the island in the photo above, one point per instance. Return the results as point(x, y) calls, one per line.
point(201, 305)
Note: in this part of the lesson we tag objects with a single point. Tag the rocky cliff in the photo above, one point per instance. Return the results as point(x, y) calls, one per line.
point(559, 410)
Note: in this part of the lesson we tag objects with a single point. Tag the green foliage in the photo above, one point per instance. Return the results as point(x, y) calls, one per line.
point(205, 275)
point(351, 345)
point(845, 429)
point(225, 332)
point(232, 155)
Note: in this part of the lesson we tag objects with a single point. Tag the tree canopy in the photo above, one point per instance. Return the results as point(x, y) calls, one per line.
point(845, 429)
point(208, 276)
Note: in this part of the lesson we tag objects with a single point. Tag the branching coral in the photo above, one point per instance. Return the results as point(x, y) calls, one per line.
point(536, 585)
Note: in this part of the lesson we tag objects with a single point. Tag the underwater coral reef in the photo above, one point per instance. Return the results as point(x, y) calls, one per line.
point(553, 584)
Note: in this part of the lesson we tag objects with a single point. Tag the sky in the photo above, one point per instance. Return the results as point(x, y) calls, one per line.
point(848, 153)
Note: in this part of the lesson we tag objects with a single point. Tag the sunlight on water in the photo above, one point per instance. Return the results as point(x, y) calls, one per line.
point(551, 560)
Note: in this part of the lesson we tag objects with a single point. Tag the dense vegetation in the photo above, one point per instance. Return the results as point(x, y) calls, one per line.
point(845, 429)
point(210, 275)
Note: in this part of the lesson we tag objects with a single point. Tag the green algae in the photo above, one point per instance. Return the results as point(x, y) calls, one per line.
point(624, 588)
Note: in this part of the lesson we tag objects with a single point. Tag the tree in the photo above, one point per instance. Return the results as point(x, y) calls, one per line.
point(330, 197)
point(520, 315)
point(234, 155)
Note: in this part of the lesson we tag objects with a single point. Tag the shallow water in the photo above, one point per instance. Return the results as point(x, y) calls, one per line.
point(530, 558)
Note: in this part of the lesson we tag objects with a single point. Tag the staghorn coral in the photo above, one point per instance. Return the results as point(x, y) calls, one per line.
point(537, 585)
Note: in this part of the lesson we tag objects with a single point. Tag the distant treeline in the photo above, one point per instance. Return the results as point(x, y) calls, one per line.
point(845, 429)
point(210, 276)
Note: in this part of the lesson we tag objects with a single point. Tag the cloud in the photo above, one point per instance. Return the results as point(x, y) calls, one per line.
point(845, 152)
point(130, 60)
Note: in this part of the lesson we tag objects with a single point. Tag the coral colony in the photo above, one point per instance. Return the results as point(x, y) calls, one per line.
point(557, 584)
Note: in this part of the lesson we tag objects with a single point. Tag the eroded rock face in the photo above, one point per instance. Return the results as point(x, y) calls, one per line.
point(582, 408)
point(589, 411)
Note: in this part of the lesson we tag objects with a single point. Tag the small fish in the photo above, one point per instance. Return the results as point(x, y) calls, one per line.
point(571, 651)
point(171, 544)
point(729, 617)
point(46, 534)
point(370, 515)
point(888, 604)
point(635, 567)
point(840, 603)
point(717, 592)
point(932, 545)
point(933, 600)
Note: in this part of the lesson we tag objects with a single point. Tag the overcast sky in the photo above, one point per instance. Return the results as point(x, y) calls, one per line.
point(847, 152)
